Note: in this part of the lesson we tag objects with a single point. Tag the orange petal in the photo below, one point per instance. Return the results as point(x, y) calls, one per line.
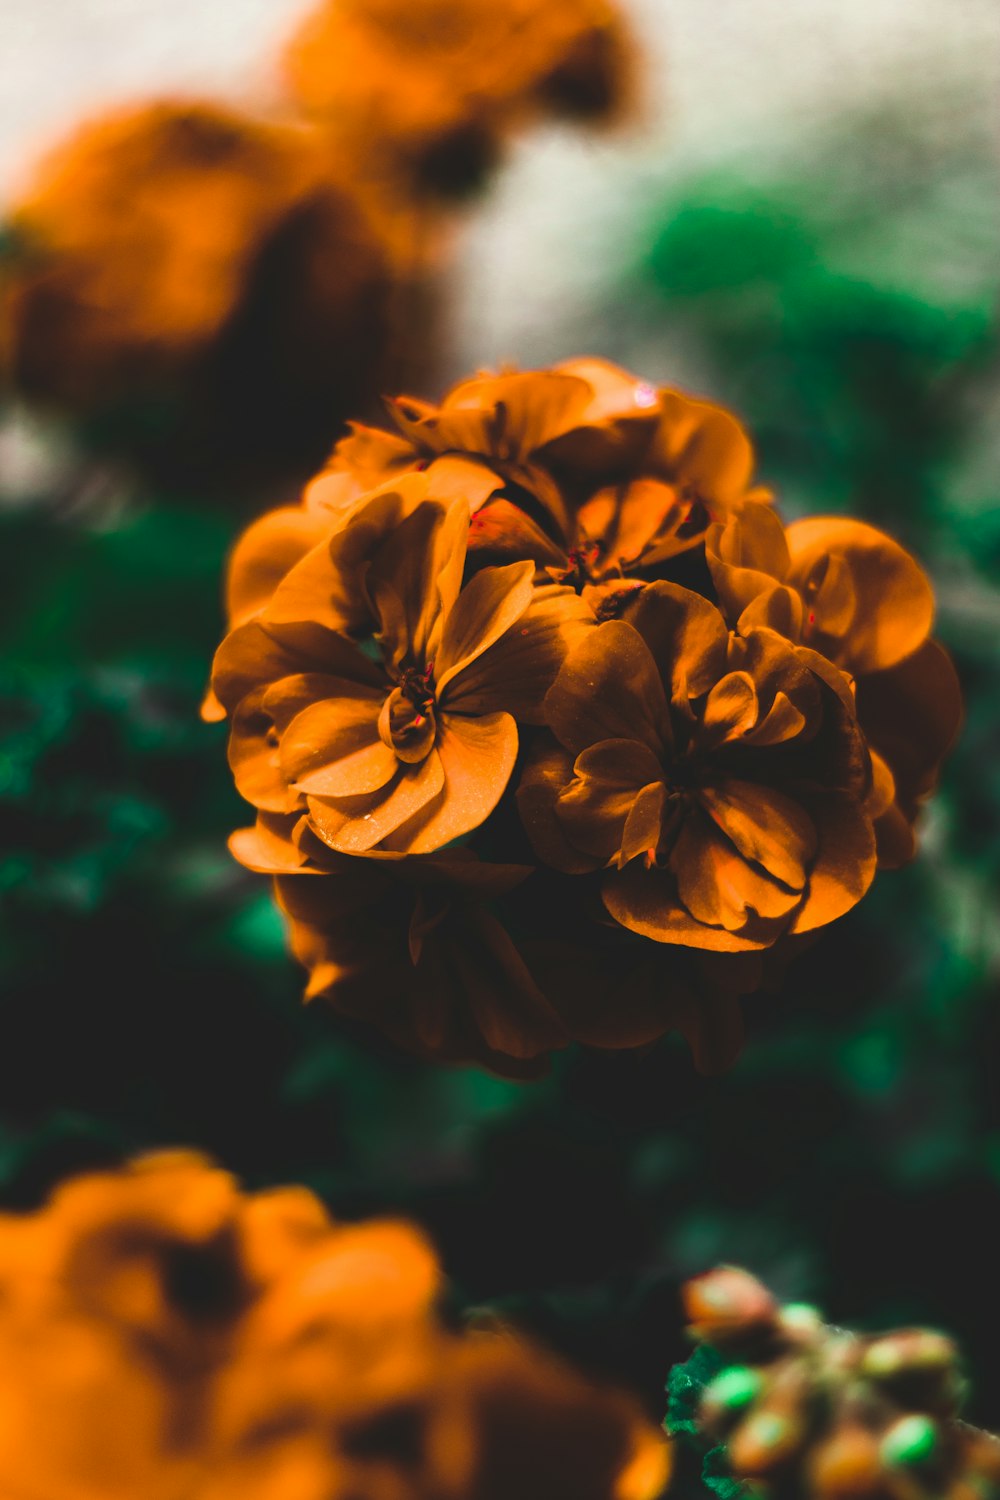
point(609, 689)
point(477, 756)
point(718, 886)
point(254, 653)
point(415, 578)
point(486, 608)
point(268, 848)
point(730, 710)
point(546, 774)
point(894, 601)
point(517, 671)
point(264, 554)
point(645, 901)
point(607, 778)
point(844, 866)
point(702, 446)
point(353, 825)
point(333, 748)
point(766, 827)
point(686, 636)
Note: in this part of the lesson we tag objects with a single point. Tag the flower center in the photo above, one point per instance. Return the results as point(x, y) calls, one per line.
point(407, 722)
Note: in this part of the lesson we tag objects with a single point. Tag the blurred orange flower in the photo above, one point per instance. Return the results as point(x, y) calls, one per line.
point(720, 778)
point(163, 1334)
point(182, 251)
point(423, 96)
point(853, 594)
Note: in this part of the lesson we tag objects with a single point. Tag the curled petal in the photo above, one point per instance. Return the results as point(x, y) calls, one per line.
point(477, 757)
point(894, 603)
point(548, 771)
point(844, 866)
point(701, 446)
point(645, 901)
point(269, 848)
point(256, 653)
point(767, 827)
point(333, 748)
point(686, 636)
point(594, 808)
point(353, 825)
point(719, 887)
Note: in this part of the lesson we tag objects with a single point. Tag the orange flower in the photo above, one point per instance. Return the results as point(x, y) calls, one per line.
point(720, 780)
point(596, 475)
point(425, 94)
point(163, 1334)
point(181, 249)
point(410, 746)
point(854, 594)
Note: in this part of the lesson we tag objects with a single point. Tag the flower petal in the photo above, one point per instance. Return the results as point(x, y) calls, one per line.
point(686, 636)
point(265, 552)
point(844, 866)
point(516, 672)
point(766, 827)
point(894, 602)
point(477, 756)
point(333, 748)
point(609, 689)
point(489, 605)
point(544, 777)
point(254, 653)
point(353, 825)
point(718, 886)
point(594, 808)
point(645, 901)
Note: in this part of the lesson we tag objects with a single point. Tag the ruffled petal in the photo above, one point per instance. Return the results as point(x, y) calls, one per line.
point(645, 901)
point(255, 653)
point(593, 809)
point(686, 636)
point(717, 885)
point(333, 748)
point(546, 774)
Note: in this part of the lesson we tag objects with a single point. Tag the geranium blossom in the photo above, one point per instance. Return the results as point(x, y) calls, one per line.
point(721, 779)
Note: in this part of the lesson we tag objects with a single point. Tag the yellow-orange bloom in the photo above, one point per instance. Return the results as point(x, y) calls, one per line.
point(409, 745)
point(182, 250)
point(164, 1334)
point(589, 471)
point(425, 94)
point(720, 779)
point(693, 721)
point(853, 594)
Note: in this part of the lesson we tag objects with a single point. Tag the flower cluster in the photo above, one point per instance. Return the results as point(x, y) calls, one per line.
point(555, 730)
point(427, 94)
point(184, 250)
point(806, 1410)
point(163, 1334)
